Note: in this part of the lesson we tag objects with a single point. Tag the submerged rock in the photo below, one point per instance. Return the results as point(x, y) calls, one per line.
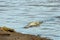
point(57, 17)
point(18, 36)
point(33, 24)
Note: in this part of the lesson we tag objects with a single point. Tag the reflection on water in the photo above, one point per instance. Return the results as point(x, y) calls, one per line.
point(18, 13)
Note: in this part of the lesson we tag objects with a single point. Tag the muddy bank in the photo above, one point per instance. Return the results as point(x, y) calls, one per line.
point(8, 35)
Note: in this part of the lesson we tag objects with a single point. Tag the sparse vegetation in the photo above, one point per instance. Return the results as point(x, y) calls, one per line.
point(4, 28)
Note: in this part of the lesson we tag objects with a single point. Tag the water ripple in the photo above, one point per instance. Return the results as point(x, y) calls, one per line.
point(17, 13)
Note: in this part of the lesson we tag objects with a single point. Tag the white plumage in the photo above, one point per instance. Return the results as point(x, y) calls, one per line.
point(33, 24)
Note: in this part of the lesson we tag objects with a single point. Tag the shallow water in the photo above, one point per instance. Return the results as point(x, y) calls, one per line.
point(18, 13)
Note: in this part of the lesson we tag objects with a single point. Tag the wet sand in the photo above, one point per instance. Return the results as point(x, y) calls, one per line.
point(6, 35)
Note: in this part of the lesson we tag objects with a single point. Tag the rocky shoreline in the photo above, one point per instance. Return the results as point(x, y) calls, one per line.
point(8, 35)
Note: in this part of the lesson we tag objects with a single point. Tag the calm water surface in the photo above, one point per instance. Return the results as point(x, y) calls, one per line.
point(18, 13)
